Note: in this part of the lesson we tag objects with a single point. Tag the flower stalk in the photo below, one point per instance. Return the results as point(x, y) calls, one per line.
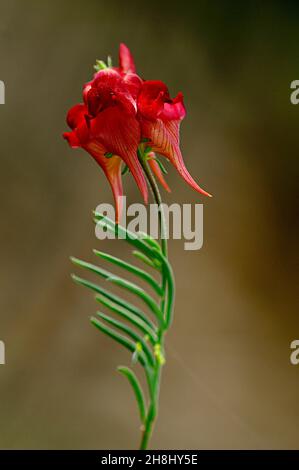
point(159, 347)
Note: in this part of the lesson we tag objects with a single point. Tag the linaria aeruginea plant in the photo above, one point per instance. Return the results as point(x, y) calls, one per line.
point(124, 123)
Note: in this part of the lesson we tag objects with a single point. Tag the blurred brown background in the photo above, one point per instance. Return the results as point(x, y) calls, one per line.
point(228, 382)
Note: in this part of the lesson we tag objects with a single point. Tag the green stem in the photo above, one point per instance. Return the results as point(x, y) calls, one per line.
point(162, 223)
point(146, 435)
point(155, 388)
point(157, 198)
point(152, 410)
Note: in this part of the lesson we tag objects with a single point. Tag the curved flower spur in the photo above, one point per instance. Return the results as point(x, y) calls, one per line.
point(127, 123)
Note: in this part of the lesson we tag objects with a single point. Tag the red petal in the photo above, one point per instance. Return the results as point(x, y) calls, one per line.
point(76, 119)
point(164, 139)
point(112, 169)
point(175, 110)
point(72, 139)
point(86, 89)
point(133, 83)
point(80, 137)
point(76, 115)
point(107, 89)
point(119, 132)
point(113, 173)
point(151, 98)
point(126, 61)
point(154, 102)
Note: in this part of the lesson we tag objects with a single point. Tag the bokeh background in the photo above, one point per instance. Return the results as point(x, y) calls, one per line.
point(228, 381)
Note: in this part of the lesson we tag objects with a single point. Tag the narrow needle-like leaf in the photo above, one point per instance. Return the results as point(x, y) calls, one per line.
point(91, 267)
point(130, 345)
point(131, 268)
point(150, 240)
point(115, 298)
point(130, 286)
point(138, 322)
point(148, 300)
point(125, 234)
point(144, 259)
point(137, 390)
point(128, 330)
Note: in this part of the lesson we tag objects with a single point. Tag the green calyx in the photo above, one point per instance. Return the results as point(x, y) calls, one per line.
point(101, 65)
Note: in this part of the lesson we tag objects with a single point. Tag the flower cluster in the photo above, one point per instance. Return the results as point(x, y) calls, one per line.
point(119, 113)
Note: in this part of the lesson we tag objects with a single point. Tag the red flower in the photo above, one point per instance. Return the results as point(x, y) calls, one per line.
point(120, 111)
point(106, 125)
point(160, 118)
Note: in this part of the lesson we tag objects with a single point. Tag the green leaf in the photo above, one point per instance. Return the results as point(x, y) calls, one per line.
point(132, 269)
point(128, 344)
point(114, 298)
point(152, 253)
point(148, 300)
point(138, 322)
point(144, 258)
point(137, 390)
point(170, 292)
point(128, 330)
point(125, 234)
point(130, 286)
point(91, 267)
point(150, 240)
